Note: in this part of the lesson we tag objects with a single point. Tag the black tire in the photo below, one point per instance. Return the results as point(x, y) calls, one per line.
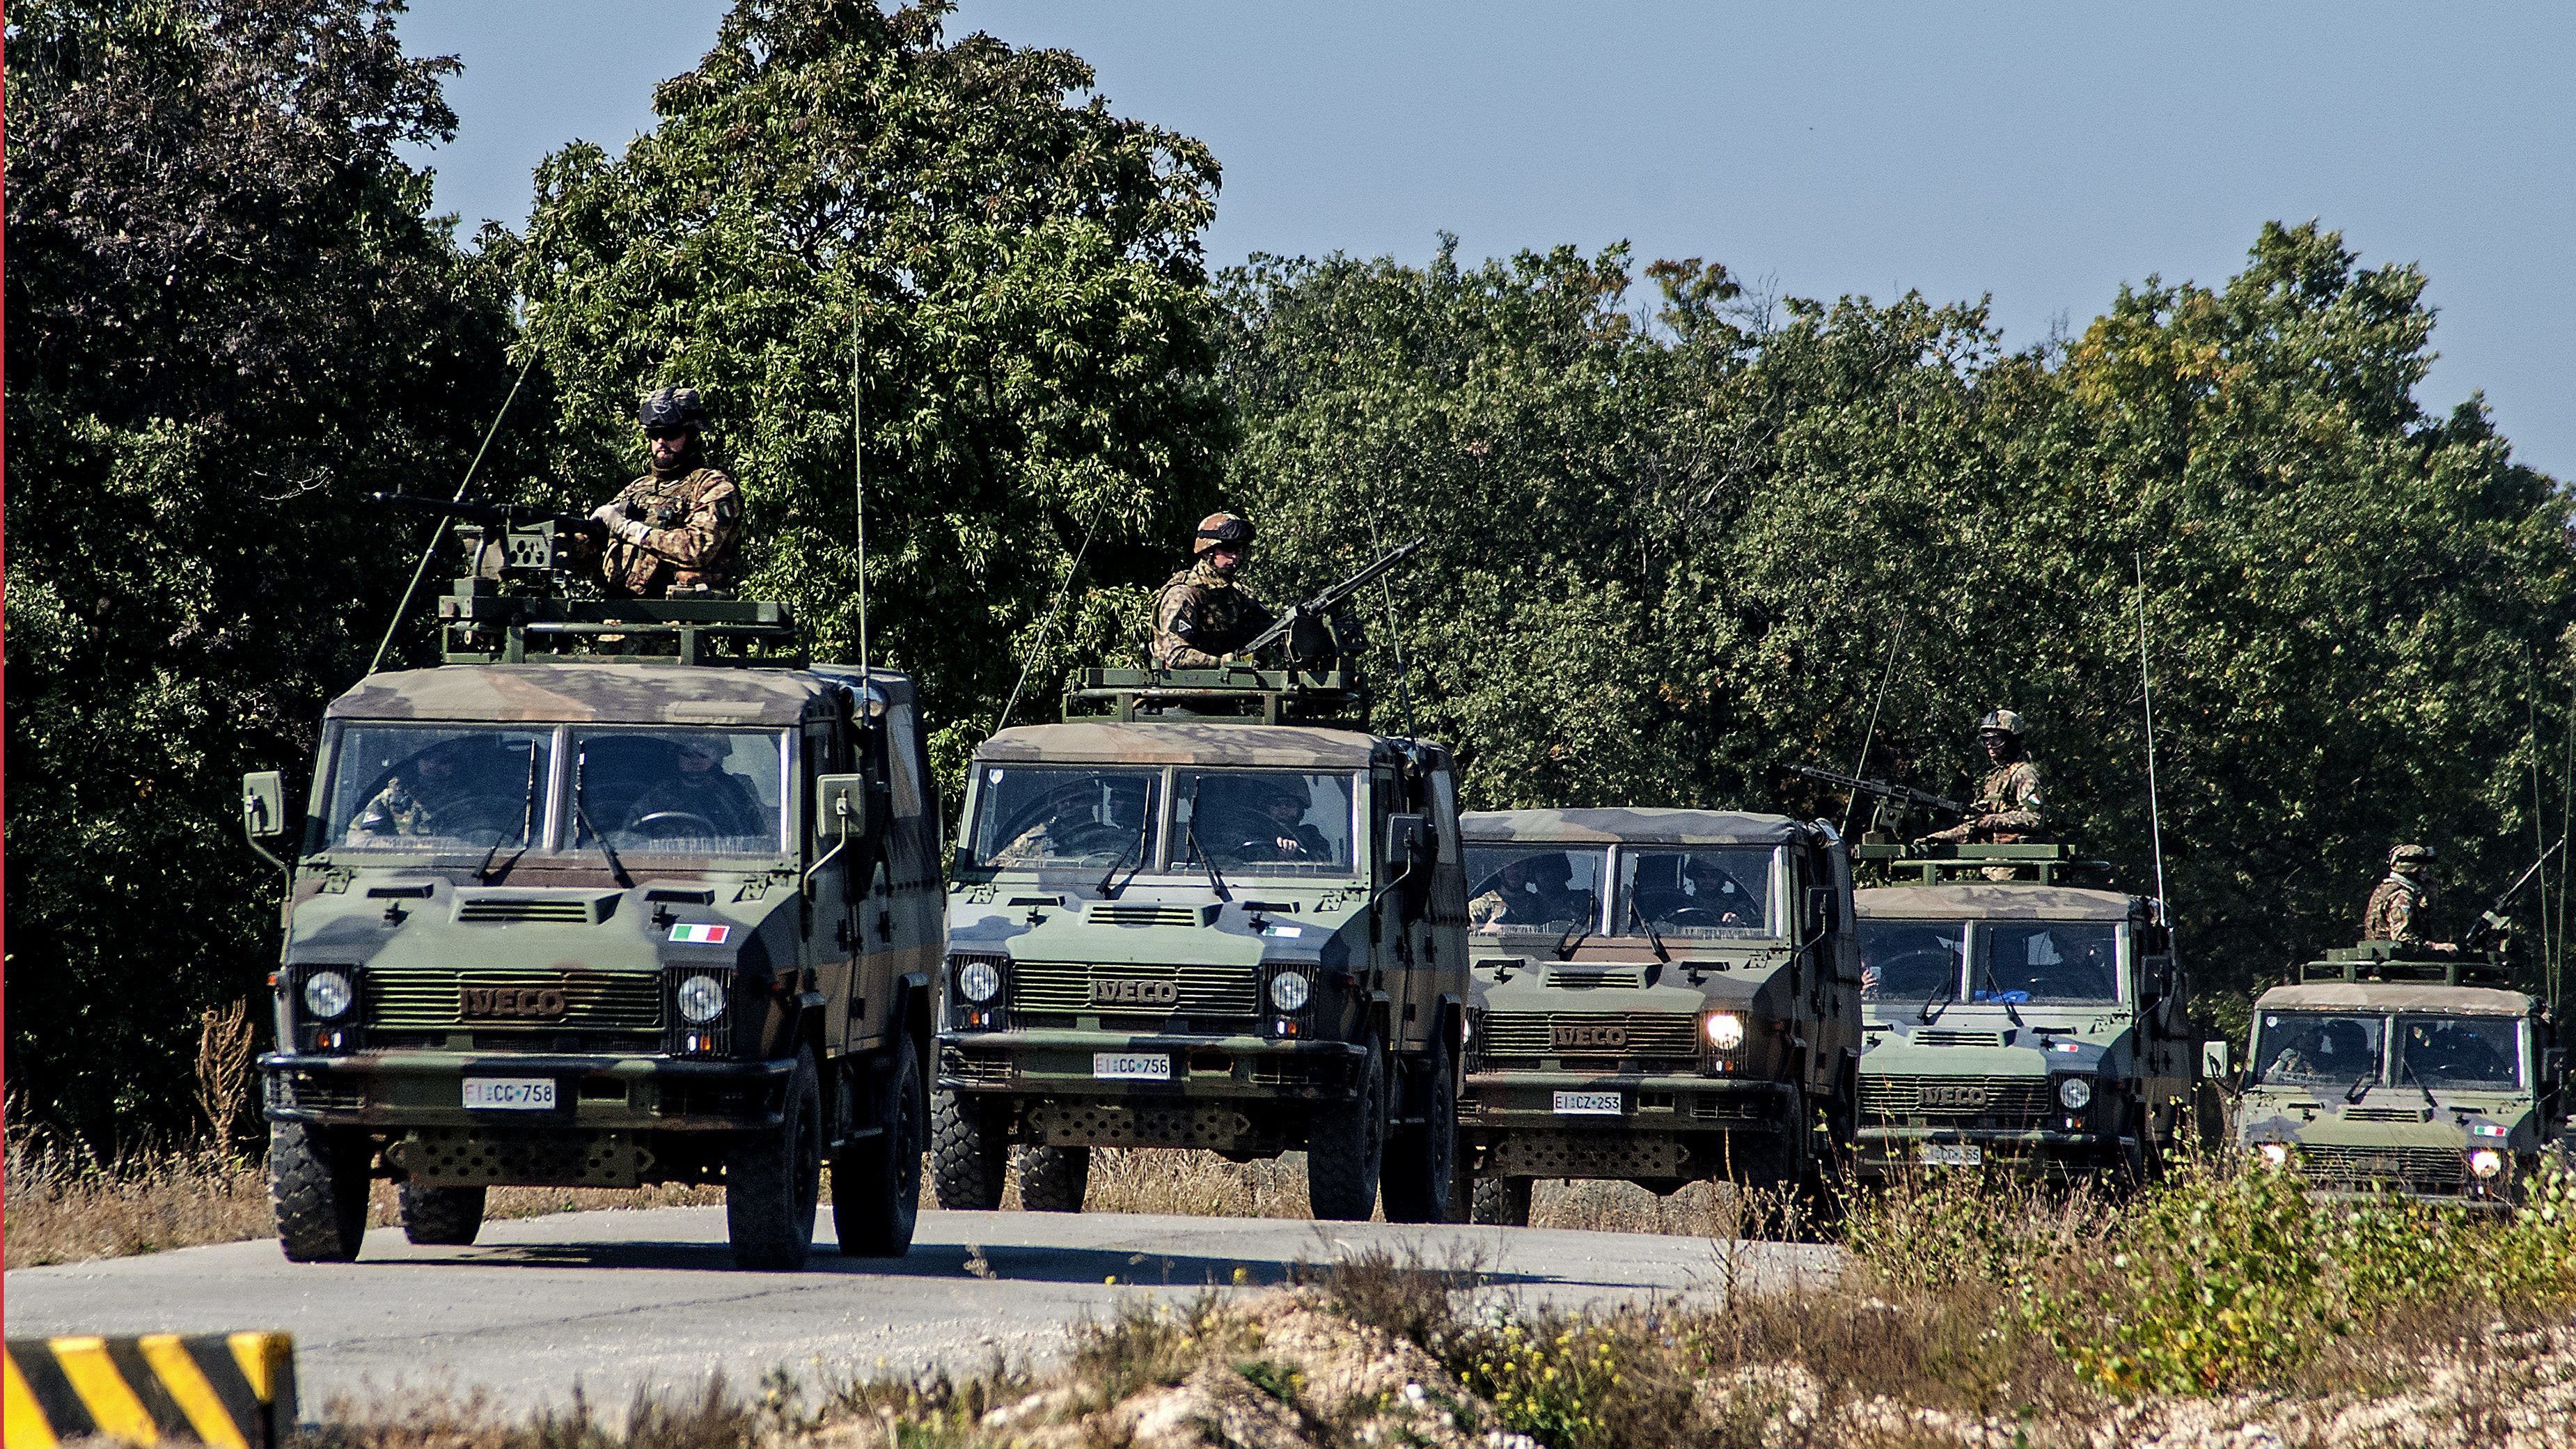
point(1346, 1147)
point(1502, 1201)
point(317, 1187)
point(1420, 1178)
point(774, 1176)
point(876, 1181)
point(1053, 1179)
point(969, 1153)
point(440, 1216)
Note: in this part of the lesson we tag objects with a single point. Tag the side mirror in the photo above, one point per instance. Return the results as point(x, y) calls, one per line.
point(263, 801)
point(840, 807)
point(2217, 1061)
point(1820, 914)
point(1408, 839)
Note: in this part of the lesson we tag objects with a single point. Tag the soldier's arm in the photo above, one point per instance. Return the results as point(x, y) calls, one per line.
point(1176, 619)
point(2018, 810)
point(705, 534)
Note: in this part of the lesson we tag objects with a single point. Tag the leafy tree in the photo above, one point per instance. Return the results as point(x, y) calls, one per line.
point(229, 316)
point(1022, 271)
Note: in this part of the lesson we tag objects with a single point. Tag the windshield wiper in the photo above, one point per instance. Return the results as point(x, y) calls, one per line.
point(1216, 882)
point(527, 830)
point(1142, 825)
point(1995, 993)
point(1575, 935)
point(2405, 1069)
point(2361, 1085)
point(581, 813)
point(1654, 938)
point(1949, 988)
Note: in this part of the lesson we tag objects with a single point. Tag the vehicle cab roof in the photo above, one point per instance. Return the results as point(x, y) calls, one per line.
point(1626, 825)
point(641, 692)
point(2394, 996)
point(1186, 742)
point(1993, 901)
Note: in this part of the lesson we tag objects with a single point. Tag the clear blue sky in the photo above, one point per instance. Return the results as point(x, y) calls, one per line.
point(2040, 153)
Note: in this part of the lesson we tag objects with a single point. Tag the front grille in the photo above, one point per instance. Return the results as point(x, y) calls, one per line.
point(1108, 914)
point(1956, 1097)
point(2384, 1114)
point(1651, 1034)
point(1201, 989)
point(974, 1066)
point(1571, 980)
point(2382, 1164)
point(1937, 1037)
point(400, 998)
point(505, 910)
point(323, 1091)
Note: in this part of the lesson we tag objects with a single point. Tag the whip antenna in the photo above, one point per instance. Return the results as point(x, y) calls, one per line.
point(439, 535)
point(2155, 821)
point(1870, 735)
point(859, 483)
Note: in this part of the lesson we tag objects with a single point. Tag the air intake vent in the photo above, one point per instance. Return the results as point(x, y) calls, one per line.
point(1110, 913)
point(2385, 1114)
point(551, 909)
point(1958, 1038)
point(1589, 980)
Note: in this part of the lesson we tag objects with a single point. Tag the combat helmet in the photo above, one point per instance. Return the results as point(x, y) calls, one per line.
point(2001, 721)
point(2403, 856)
point(1222, 528)
point(673, 407)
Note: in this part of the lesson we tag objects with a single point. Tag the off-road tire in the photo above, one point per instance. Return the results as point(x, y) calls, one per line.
point(876, 1181)
point(1346, 1147)
point(440, 1216)
point(317, 1187)
point(1420, 1177)
point(969, 1153)
point(1053, 1179)
point(1502, 1201)
point(773, 1177)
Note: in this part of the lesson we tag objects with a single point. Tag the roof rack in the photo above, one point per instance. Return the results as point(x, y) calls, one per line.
point(2048, 863)
point(2397, 961)
point(480, 623)
point(1238, 693)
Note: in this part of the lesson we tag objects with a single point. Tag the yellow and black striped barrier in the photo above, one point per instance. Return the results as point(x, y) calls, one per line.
point(230, 1390)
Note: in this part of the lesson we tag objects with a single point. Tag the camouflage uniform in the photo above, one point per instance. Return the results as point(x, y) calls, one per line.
point(1201, 614)
point(395, 810)
point(2007, 807)
point(2390, 916)
point(672, 533)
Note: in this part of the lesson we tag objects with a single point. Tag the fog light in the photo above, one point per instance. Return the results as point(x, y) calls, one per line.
point(977, 981)
point(2486, 1162)
point(1725, 1030)
point(2076, 1093)
point(2274, 1154)
point(701, 999)
point(327, 994)
point(1289, 991)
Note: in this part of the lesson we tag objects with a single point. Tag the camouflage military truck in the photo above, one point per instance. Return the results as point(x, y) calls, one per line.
point(1208, 910)
point(1664, 995)
point(2025, 1022)
point(2428, 1077)
point(574, 911)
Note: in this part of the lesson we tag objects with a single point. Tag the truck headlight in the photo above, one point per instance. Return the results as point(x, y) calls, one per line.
point(702, 999)
point(1724, 1030)
point(2274, 1154)
point(1290, 991)
point(977, 981)
point(2486, 1162)
point(2075, 1093)
point(327, 994)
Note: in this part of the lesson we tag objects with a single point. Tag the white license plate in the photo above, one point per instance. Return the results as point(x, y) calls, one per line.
point(1132, 1066)
point(1591, 1104)
point(1952, 1154)
point(512, 1094)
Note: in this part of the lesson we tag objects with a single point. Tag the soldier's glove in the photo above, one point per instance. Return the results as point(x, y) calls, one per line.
point(633, 530)
point(605, 514)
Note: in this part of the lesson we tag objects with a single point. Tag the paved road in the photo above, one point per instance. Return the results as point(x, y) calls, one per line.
point(615, 1301)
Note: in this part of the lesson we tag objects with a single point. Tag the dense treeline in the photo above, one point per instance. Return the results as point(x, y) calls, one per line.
point(1677, 531)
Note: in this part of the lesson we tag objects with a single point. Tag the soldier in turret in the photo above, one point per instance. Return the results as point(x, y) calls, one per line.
point(672, 531)
point(2410, 886)
point(1202, 615)
point(2007, 807)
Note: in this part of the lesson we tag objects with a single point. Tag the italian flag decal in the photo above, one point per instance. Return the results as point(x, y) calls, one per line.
point(701, 935)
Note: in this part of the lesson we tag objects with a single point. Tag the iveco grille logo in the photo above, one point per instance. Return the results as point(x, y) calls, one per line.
point(1127, 991)
point(1590, 1036)
point(1955, 1096)
point(531, 1002)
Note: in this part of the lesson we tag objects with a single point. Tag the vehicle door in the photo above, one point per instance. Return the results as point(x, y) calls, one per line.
point(831, 914)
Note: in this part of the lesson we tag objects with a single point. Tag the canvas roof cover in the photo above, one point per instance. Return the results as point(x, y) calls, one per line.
point(1626, 825)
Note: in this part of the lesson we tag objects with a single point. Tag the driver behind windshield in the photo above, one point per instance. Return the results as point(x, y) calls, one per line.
point(1531, 890)
point(1068, 816)
point(699, 798)
point(436, 793)
point(2333, 1050)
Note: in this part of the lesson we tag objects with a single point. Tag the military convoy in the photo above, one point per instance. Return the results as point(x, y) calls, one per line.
point(621, 893)
point(1661, 996)
point(2026, 1022)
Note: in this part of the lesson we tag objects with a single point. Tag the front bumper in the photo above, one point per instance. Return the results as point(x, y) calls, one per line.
point(2054, 1151)
point(405, 1090)
point(1060, 1063)
point(1668, 1127)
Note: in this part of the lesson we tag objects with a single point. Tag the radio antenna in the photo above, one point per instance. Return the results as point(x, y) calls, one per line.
point(859, 486)
point(1870, 735)
point(439, 534)
point(2155, 818)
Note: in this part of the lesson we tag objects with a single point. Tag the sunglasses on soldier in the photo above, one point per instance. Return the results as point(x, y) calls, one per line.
point(660, 433)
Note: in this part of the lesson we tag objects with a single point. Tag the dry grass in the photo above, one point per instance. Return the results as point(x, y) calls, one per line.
point(1202, 1184)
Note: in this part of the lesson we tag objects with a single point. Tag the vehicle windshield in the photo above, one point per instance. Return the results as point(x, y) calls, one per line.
point(2317, 1049)
point(1263, 822)
point(1068, 815)
point(677, 791)
point(425, 788)
point(2478, 1053)
point(1555, 888)
point(2048, 961)
point(1719, 890)
point(1911, 961)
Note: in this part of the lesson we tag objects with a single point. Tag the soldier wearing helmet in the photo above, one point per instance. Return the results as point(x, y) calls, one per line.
point(2410, 885)
point(2007, 805)
point(1202, 615)
point(673, 530)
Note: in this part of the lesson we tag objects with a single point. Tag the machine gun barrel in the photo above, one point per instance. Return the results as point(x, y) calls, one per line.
point(1883, 789)
point(2492, 924)
point(1325, 602)
point(492, 515)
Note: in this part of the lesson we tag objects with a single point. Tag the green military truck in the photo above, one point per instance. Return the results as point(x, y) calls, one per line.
point(2025, 1022)
point(1208, 910)
point(1663, 996)
point(621, 893)
point(2427, 1076)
